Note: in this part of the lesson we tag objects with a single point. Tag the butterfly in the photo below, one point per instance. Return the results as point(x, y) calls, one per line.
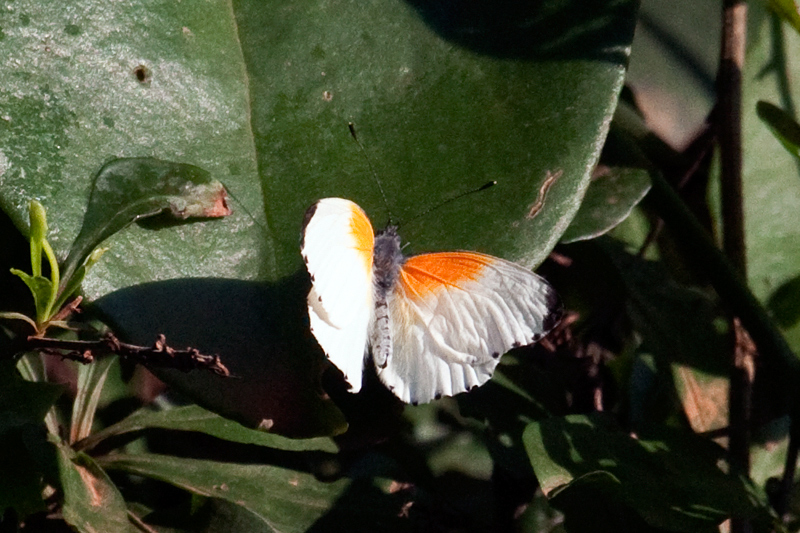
point(435, 324)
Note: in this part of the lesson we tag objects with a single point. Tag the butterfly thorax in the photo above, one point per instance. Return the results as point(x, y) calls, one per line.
point(387, 260)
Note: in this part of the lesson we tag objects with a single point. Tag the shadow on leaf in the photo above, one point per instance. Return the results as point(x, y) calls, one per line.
point(259, 330)
point(534, 30)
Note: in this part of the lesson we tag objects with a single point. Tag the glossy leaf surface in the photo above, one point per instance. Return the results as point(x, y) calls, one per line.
point(611, 197)
point(260, 94)
point(195, 418)
point(285, 500)
point(771, 176)
point(91, 500)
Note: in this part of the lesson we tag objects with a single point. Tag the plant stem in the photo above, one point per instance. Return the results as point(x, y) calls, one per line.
point(729, 90)
point(729, 85)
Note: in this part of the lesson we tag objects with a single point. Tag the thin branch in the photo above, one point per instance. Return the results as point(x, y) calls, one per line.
point(729, 86)
point(157, 355)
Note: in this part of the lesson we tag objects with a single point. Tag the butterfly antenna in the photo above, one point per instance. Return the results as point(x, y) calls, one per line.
point(352, 128)
point(483, 187)
point(244, 208)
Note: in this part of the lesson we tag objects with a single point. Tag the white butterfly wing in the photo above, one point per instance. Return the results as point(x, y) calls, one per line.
point(337, 248)
point(453, 316)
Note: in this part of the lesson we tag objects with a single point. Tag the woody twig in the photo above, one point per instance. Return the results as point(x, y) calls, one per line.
point(160, 354)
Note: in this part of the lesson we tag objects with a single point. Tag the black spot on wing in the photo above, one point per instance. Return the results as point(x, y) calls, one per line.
point(473, 388)
point(312, 278)
point(306, 219)
point(437, 396)
point(495, 355)
point(555, 311)
point(516, 344)
point(415, 403)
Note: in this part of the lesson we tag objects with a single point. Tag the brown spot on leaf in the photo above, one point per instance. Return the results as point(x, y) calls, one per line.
point(705, 400)
point(92, 486)
point(142, 74)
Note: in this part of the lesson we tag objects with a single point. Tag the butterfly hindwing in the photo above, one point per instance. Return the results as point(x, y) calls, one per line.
point(337, 248)
point(453, 316)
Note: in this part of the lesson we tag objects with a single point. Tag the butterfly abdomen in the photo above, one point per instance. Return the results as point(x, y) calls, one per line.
point(386, 265)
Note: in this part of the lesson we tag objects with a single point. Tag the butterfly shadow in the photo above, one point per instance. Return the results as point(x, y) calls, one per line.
point(259, 330)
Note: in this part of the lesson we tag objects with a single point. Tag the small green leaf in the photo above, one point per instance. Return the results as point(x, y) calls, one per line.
point(286, 500)
point(31, 368)
point(74, 282)
point(91, 378)
point(195, 418)
point(612, 195)
point(11, 315)
point(23, 402)
point(783, 126)
point(41, 288)
point(126, 190)
point(787, 10)
point(38, 234)
point(92, 502)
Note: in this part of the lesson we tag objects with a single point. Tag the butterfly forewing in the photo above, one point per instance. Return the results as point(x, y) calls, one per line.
point(453, 316)
point(337, 249)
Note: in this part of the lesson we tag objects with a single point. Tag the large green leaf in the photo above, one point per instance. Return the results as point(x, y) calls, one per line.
point(259, 94)
point(442, 101)
point(672, 481)
point(195, 418)
point(285, 500)
point(771, 175)
point(71, 99)
point(279, 500)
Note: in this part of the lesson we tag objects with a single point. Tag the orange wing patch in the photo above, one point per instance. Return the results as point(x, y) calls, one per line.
point(423, 274)
point(363, 235)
